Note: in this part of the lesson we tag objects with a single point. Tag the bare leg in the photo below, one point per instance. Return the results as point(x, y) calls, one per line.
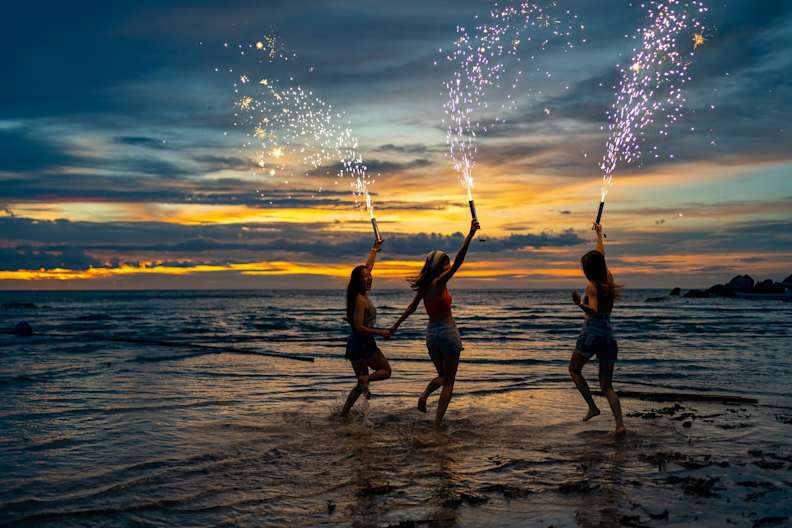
point(382, 370)
point(450, 364)
point(576, 363)
point(361, 371)
point(606, 383)
point(435, 384)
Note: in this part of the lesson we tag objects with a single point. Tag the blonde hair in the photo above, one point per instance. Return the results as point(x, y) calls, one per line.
point(430, 271)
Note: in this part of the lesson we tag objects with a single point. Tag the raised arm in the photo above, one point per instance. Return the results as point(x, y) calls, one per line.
point(373, 254)
point(460, 256)
point(600, 242)
point(408, 311)
point(358, 318)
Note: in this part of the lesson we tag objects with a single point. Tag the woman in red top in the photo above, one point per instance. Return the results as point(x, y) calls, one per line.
point(442, 336)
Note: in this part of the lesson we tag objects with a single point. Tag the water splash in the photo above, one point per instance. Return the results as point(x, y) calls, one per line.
point(650, 90)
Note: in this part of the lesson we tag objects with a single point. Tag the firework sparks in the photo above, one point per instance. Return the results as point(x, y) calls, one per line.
point(246, 102)
point(489, 59)
point(698, 40)
point(545, 20)
point(270, 46)
point(652, 86)
point(283, 117)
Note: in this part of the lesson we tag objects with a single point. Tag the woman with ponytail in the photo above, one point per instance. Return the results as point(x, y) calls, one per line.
point(596, 337)
point(361, 349)
point(442, 336)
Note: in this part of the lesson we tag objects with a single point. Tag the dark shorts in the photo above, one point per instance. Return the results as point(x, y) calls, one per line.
point(360, 347)
point(604, 347)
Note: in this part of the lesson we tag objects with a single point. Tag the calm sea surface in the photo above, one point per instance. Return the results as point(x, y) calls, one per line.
point(109, 418)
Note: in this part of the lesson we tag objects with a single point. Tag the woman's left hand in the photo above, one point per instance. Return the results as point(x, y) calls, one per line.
point(377, 245)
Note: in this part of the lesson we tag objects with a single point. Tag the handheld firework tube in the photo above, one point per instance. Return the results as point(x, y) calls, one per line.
point(469, 184)
point(599, 212)
point(374, 225)
point(377, 234)
point(599, 217)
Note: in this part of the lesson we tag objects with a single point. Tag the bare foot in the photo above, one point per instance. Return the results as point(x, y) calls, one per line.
point(591, 414)
point(422, 404)
point(619, 432)
point(364, 386)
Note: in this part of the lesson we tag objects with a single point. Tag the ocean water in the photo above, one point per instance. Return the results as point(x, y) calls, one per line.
point(118, 414)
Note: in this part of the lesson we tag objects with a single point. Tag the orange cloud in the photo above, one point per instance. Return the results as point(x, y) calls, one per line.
point(385, 269)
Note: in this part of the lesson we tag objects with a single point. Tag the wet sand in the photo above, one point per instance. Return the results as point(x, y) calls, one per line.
point(500, 461)
point(533, 463)
point(101, 432)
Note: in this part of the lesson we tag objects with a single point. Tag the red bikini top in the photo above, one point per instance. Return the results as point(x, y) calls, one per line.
point(440, 306)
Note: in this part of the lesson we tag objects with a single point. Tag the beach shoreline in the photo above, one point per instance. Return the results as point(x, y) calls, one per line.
point(105, 431)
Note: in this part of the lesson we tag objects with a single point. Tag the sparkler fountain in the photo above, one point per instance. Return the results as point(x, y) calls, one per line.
point(471, 203)
point(482, 59)
point(283, 117)
point(652, 84)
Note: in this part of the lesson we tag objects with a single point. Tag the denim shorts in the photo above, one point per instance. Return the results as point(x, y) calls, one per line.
point(605, 347)
point(442, 339)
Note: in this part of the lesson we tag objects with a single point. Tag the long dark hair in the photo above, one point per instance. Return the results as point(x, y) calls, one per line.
point(430, 271)
point(596, 270)
point(354, 288)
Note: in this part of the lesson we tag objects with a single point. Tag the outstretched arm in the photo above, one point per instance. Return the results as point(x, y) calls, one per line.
point(373, 254)
point(460, 256)
point(408, 311)
point(357, 321)
point(600, 242)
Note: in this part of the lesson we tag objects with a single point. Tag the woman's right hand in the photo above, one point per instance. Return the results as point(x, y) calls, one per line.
point(474, 226)
point(377, 245)
point(576, 298)
point(386, 333)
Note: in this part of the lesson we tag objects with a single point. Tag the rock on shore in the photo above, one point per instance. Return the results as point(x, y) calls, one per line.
point(739, 284)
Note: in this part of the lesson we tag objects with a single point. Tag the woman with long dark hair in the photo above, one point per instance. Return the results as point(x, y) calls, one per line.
point(596, 337)
point(361, 349)
point(442, 335)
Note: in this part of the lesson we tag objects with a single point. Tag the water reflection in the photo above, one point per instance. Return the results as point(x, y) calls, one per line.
point(604, 468)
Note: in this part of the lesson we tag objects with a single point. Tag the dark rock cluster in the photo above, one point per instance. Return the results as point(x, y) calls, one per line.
point(740, 284)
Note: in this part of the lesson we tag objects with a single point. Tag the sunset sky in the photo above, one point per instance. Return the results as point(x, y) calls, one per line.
point(120, 166)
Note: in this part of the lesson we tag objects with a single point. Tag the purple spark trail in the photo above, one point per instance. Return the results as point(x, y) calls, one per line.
point(651, 86)
point(483, 61)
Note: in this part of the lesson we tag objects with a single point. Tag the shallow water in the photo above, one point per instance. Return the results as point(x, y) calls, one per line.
point(99, 431)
